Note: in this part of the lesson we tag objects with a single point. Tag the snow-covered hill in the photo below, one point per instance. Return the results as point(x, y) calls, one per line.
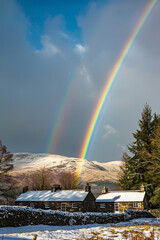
point(91, 171)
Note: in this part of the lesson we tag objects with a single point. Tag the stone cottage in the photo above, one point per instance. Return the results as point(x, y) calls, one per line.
point(57, 199)
point(118, 201)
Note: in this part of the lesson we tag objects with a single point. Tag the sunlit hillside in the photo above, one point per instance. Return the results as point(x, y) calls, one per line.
point(91, 171)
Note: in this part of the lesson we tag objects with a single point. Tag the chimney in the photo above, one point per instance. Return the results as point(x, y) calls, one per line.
point(104, 190)
point(87, 188)
point(55, 188)
point(142, 188)
point(25, 189)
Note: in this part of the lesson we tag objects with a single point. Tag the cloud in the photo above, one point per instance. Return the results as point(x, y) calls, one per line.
point(65, 36)
point(80, 49)
point(109, 130)
point(49, 48)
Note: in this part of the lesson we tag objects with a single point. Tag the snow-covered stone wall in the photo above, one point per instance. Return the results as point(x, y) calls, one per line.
point(21, 216)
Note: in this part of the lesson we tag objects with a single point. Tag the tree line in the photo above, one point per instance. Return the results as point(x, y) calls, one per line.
point(143, 166)
point(11, 185)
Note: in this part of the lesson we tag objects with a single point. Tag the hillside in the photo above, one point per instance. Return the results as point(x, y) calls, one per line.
point(91, 171)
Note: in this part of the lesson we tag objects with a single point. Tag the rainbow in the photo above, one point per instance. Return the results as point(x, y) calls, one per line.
point(58, 125)
point(59, 122)
point(109, 83)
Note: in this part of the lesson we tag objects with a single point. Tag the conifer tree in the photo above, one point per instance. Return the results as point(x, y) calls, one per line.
point(153, 168)
point(135, 169)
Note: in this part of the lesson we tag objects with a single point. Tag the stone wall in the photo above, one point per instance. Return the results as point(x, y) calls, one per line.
point(124, 206)
point(131, 214)
point(89, 203)
point(53, 205)
point(109, 206)
point(21, 216)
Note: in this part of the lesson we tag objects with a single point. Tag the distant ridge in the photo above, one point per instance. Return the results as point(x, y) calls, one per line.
point(92, 171)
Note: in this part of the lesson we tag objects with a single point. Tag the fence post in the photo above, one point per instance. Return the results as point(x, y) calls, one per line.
point(35, 237)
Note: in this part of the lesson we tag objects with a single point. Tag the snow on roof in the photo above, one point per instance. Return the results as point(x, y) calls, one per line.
point(121, 196)
point(58, 196)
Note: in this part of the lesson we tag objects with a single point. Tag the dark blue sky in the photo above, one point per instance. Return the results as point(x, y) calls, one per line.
point(38, 11)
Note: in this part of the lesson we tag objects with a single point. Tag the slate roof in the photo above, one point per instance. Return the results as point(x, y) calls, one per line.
point(122, 196)
point(48, 196)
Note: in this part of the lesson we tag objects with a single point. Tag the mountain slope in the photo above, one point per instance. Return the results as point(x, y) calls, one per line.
point(91, 171)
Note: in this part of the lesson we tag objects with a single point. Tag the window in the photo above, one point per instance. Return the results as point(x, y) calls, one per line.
point(46, 205)
point(31, 205)
point(74, 205)
point(63, 207)
point(116, 207)
point(135, 205)
point(102, 205)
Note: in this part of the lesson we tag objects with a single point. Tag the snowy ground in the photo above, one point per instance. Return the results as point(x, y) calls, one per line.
point(142, 227)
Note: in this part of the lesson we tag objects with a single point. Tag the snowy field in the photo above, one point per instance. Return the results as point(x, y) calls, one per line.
point(143, 227)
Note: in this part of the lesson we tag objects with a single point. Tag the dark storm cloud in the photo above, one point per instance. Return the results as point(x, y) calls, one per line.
point(107, 29)
point(34, 82)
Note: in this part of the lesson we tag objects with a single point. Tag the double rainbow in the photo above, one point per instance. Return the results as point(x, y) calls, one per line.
point(109, 83)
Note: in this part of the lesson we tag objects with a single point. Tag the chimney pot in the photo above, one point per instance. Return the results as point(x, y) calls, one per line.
point(142, 188)
point(25, 189)
point(104, 190)
point(87, 188)
point(55, 187)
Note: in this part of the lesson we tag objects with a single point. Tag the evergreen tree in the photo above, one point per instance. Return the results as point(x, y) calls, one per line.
point(153, 168)
point(124, 178)
point(135, 169)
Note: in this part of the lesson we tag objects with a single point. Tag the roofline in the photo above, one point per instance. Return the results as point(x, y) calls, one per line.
point(49, 201)
point(119, 201)
point(71, 190)
point(124, 191)
point(52, 198)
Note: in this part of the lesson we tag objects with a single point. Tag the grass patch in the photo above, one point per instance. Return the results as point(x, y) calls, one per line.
point(139, 232)
point(155, 212)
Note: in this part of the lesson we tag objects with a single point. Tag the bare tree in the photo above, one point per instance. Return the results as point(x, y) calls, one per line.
point(40, 179)
point(68, 180)
point(6, 159)
point(6, 181)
